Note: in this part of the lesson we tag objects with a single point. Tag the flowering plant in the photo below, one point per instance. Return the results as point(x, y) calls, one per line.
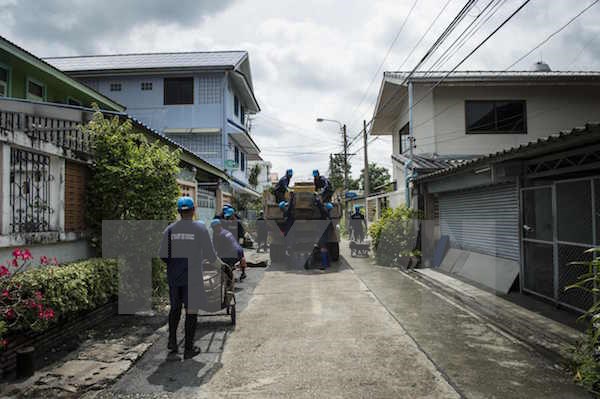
point(21, 307)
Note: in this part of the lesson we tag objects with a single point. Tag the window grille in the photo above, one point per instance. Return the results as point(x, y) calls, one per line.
point(115, 87)
point(146, 86)
point(29, 191)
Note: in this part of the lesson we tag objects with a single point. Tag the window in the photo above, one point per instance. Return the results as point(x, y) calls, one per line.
point(242, 114)
point(72, 101)
point(146, 86)
point(29, 192)
point(236, 155)
point(495, 117)
point(242, 161)
point(3, 82)
point(179, 91)
point(35, 90)
point(236, 106)
point(115, 87)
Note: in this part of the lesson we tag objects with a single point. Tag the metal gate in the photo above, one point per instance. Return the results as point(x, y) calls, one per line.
point(483, 220)
point(206, 206)
point(560, 223)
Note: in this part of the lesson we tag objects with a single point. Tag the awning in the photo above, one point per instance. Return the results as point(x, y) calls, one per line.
point(244, 90)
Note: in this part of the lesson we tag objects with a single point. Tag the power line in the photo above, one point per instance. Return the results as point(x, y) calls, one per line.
point(455, 21)
point(549, 37)
point(545, 40)
point(376, 74)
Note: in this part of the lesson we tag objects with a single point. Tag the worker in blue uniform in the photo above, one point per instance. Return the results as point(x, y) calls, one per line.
point(282, 186)
point(226, 245)
point(358, 224)
point(185, 245)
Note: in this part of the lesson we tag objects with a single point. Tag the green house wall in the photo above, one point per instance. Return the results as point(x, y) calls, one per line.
point(56, 90)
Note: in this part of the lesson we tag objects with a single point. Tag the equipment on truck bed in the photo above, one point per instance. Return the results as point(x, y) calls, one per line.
point(300, 208)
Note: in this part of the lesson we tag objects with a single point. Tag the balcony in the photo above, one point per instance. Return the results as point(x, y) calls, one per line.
point(53, 128)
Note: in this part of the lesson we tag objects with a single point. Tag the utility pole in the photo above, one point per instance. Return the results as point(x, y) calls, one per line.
point(345, 159)
point(366, 182)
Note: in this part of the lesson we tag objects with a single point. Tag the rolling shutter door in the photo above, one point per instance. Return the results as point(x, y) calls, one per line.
point(483, 220)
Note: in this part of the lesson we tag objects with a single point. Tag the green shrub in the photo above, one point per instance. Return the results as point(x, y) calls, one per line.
point(40, 297)
point(586, 355)
point(394, 235)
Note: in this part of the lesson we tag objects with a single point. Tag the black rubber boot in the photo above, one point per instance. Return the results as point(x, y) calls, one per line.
point(174, 316)
point(191, 320)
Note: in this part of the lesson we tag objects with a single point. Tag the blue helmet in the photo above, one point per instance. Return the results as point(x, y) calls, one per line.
point(316, 172)
point(215, 222)
point(289, 172)
point(185, 203)
point(227, 205)
point(328, 206)
point(282, 204)
point(227, 212)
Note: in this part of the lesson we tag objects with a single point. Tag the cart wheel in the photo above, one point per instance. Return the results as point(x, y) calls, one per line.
point(233, 315)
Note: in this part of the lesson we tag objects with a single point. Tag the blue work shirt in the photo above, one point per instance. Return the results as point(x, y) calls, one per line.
point(190, 245)
point(227, 246)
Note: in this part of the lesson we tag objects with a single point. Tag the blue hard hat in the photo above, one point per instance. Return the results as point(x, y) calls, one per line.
point(185, 203)
point(215, 222)
point(282, 204)
point(316, 172)
point(228, 212)
point(289, 172)
point(329, 206)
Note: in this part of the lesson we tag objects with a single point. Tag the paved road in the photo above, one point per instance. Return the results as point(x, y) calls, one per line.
point(351, 332)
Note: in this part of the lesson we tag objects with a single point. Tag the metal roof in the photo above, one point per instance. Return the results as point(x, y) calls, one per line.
point(468, 76)
point(586, 135)
point(200, 59)
point(427, 163)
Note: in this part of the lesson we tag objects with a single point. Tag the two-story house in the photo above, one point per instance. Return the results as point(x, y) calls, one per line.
point(505, 167)
point(474, 113)
point(199, 99)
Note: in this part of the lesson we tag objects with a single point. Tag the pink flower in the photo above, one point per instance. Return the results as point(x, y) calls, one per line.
point(9, 314)
point(55, 261)
point(4, 271)
point(16, 253)
point(48, 314)
point(3, 343)
point(44, 260)
point(14, 262)
point(5, 294)
point(26, 255)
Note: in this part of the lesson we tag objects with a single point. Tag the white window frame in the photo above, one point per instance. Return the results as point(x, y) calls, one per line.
point(33, 96)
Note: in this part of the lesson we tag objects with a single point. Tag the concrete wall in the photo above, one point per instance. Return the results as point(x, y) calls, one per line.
point(439, 120)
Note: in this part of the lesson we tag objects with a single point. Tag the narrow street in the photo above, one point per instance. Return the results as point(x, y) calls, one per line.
point(355, 331)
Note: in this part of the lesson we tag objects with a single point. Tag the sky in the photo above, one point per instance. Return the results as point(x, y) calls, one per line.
point(309, 59)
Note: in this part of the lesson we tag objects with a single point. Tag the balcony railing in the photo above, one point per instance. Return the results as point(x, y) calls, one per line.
point(49, 123)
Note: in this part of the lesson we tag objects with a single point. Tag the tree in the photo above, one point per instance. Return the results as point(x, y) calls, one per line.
point(253, 176)
point(336, 172)
point(131, 179)
point(378, 176)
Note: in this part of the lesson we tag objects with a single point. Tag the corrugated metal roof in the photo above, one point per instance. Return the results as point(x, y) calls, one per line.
point(585, 135)
point(207, 59)
point(427, 163)
point(468, 76)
